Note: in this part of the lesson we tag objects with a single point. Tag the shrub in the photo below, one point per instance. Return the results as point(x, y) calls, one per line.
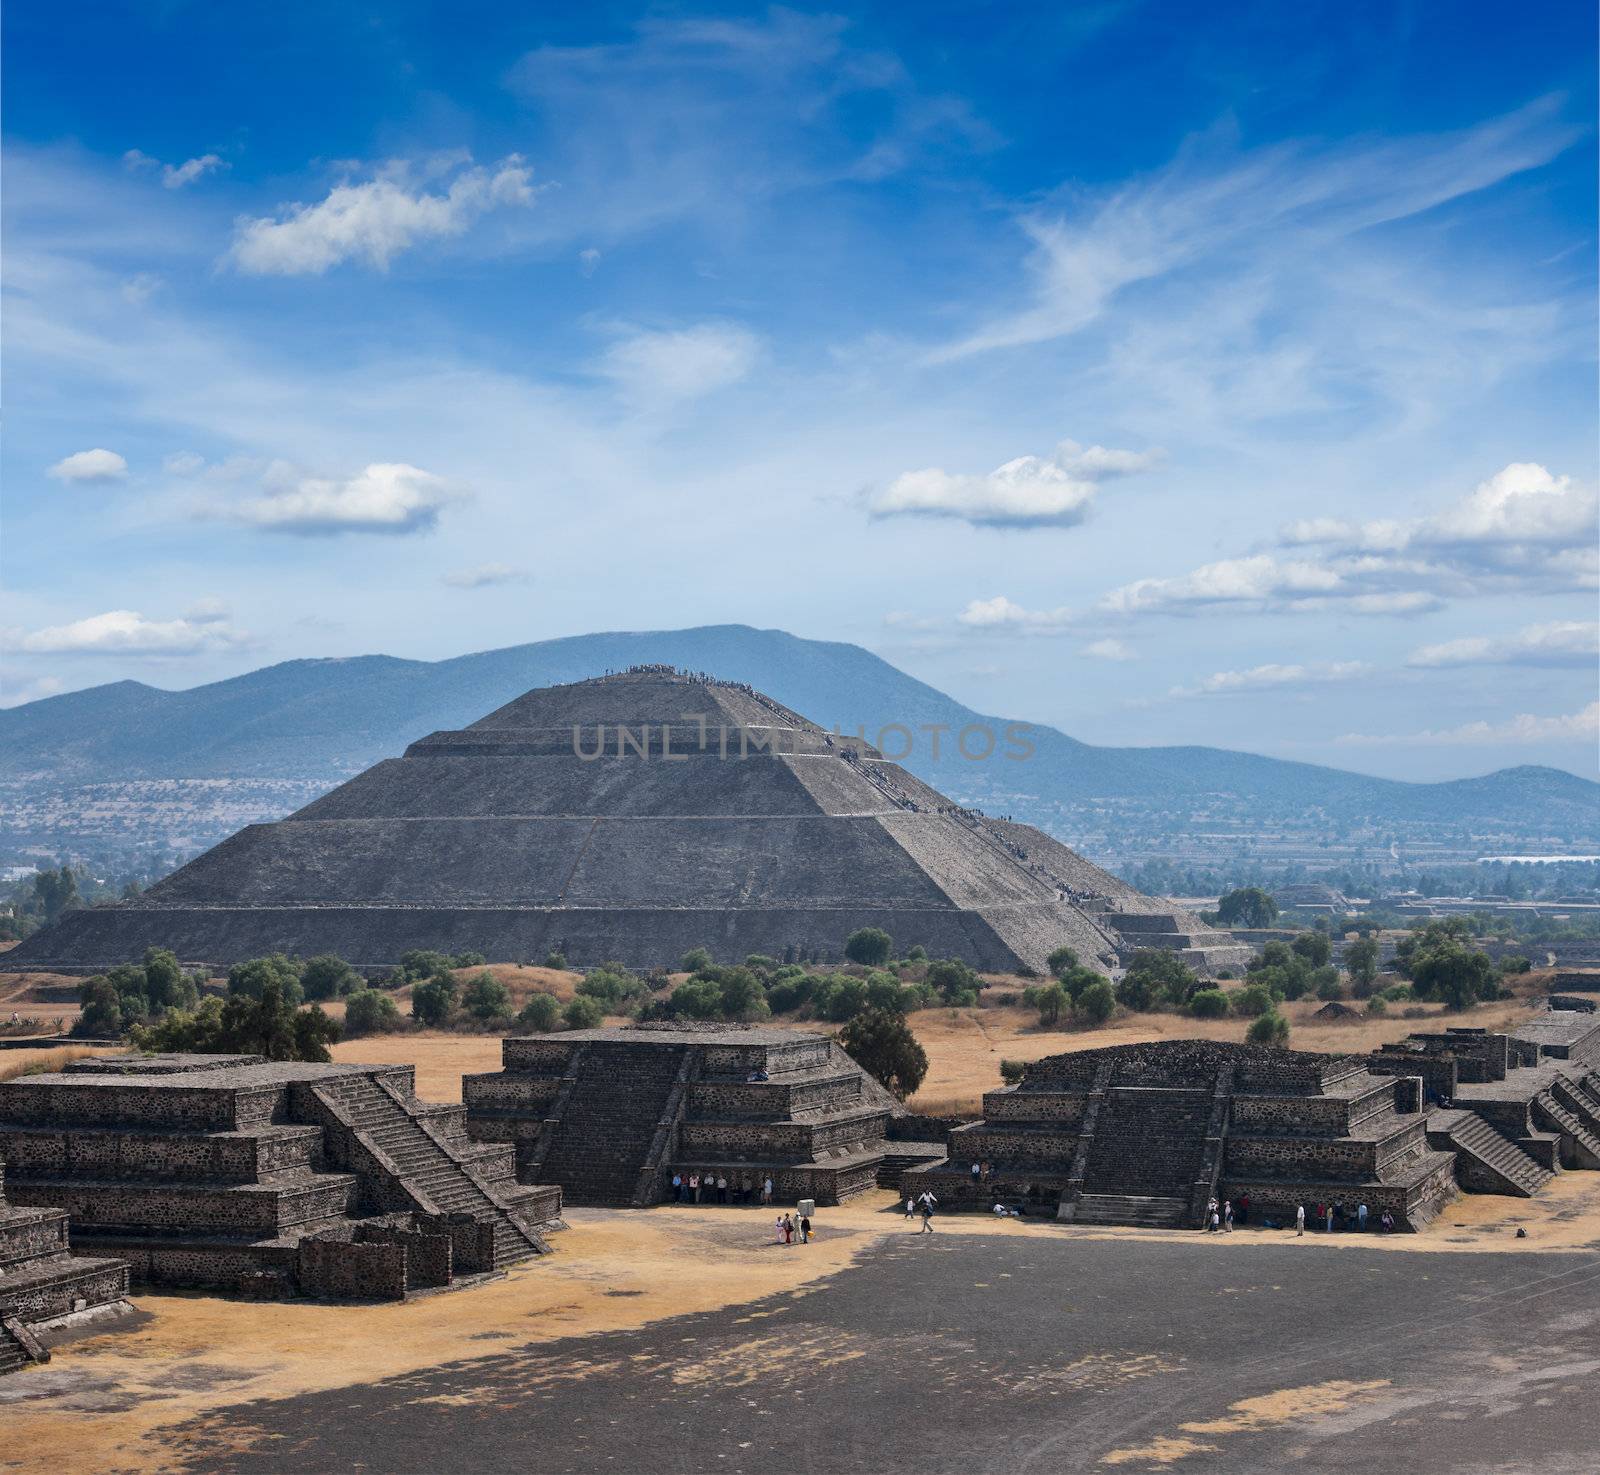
point(789, 994)
point(1209, 1003)
point(882, 1044)
point(468, 960)
point(485, 997)
point(917, 954)
point(693, 961)
point(955, 982)
point(1270, 1028)
point(1051, 1002)
point(1328, 986)
point(884, 992)
point(1156, 976)
point(1376, 1008)
point(369, 1012)
point(1012, 1071)
point(845, 1000)
point(697, 998)
point(327, 977)
point(541, 1013)
point(584, 1013)
point(1314, 947)
point(1512, 963)
point(422, 963)
point(870, 946)
point(742, 995)
point(1253, 1000)
point(1097, 1003)
point(268, 1026)
point(556, 959)
point(613, 986)
point(761, 963)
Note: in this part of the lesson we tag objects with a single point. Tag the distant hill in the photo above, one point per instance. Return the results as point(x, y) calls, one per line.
point(317, 721)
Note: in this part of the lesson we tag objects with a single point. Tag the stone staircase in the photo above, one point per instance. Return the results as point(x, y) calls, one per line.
point(425, 1165)
point(14, 1350)
point(1575, 1114)
point(1495, 1156)
point(1131, 1210)
point(1149, 1142)
point(609, 1122)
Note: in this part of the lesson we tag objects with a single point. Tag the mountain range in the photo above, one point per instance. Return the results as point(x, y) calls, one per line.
point(315, 722)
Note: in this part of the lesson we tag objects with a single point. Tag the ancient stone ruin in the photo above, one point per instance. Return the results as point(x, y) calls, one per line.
point(234, 1174)
point(44, 1287)
point(611, 1114)
point(1149, 1134)
point(633, 817)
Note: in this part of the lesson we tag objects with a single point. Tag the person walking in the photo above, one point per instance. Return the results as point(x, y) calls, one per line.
point(927, 1214)
point(1299, 1218)
point(788, 1230)
point(911, 1207)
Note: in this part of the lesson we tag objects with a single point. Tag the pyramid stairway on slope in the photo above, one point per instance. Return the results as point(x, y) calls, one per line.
point(633, 817)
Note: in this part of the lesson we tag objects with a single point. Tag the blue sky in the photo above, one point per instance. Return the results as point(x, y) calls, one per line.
point(1219, 375)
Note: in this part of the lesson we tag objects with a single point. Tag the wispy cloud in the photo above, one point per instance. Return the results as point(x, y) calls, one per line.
point(1001, 613)
point(1556, 643)
point(483, 576)
point(1264, 678)
point(374, 221)
point(126, 632)
point(681, 364)
point(175, 176)
point(1525, 728)
point(1028, 492)
point(1109, 649)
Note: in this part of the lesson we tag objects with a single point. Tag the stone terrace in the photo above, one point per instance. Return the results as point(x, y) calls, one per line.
point(43, 1286)
point(267, 1179)
point(611, 1114)
point(1147, 1134)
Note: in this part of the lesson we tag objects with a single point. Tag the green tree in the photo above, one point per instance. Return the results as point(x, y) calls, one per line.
point(882, 1044)
point(328, 976)
point(1097, 1003)
point(698, 998)
point(956, 983)
point(269, 1026)
point(1361, 963)
point(486, 998)
point(556, 960)
point(1155, 976)
point(432, 1000)
point(1051, 1001)
point(694, 961)
point(424, 963)
point(1376, 1008)
point(100, 1008)
point(742, 995)
point(884, 992)
point(369, 1011)
point(1208, 1003)
point(1270, 1028)
point(1012, 1071)
point(250, 979)
point(1314, 947)
point(541, 1013)
point(1248, 907)
point(846, 999)
point(55, 892)
point(582, 1013)
point(1451, 971)
point(872, 947)
point(1253, 1000)
point(1061, 960)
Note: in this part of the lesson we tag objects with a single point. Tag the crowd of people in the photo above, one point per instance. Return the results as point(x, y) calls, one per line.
point(718, 1188)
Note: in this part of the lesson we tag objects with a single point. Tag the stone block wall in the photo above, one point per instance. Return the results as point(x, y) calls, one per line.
point(344, 1270)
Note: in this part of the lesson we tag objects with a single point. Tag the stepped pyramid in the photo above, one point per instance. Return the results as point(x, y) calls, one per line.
point(633, 816)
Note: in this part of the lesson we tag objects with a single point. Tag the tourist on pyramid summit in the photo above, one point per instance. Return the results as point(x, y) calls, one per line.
point(1300, 1219)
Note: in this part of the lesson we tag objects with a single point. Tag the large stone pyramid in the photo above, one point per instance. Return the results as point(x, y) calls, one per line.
point(632, 816)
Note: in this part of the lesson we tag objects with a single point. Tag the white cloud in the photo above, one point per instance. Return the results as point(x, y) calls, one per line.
point(207, 611)
point(1526, 727)
point(183, 463)
point(140, 288)
point(682, 364)
point(483, 576)
point(1001, 613)
point(1215, 204)
point(374, 221)
point(1263, 678)
point(98, 465)
point(1522, 530)
point(384, 498)
point(588, 261)
point(1030, 491)
point(174, 176)
point(126, 632)
point(1110, 649)
point(1557, 643)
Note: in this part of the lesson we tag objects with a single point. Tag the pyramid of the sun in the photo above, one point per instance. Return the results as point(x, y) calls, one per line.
point(633, 816)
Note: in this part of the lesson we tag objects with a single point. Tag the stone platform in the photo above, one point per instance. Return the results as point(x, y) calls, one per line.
point(611, 1114)
point(268, 1179)
point(44, 1287)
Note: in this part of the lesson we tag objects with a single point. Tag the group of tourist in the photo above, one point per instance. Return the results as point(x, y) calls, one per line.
point(1336, 1217)
point(718, 1188)
point(787, 1227)
point(1225, 1215)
